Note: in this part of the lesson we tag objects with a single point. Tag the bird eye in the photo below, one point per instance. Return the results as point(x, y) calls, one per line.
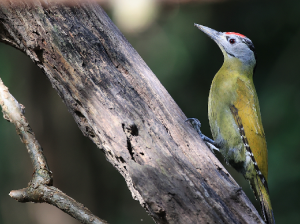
point(232, 41)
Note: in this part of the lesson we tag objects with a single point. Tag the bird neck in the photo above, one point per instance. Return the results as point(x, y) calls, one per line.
point(233, 64)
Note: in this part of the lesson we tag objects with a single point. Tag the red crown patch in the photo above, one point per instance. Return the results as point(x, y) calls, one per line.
point(238, 34)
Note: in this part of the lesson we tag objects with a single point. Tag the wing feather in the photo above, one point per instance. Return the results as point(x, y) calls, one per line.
point(247, 106)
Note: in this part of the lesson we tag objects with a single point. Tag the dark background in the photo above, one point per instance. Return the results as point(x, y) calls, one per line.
point(185, 60)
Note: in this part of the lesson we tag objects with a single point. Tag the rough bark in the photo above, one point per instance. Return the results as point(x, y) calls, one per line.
point(122, 107)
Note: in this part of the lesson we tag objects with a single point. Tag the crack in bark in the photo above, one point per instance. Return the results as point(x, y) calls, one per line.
point(130, 131)
point(130, 150)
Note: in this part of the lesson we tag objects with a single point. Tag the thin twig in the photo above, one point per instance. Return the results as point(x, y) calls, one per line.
point(40, 188)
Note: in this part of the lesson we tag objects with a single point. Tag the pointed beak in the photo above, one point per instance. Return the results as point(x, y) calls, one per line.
point(213, 34)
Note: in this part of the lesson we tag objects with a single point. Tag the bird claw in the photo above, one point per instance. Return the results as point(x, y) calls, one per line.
point(212, 145)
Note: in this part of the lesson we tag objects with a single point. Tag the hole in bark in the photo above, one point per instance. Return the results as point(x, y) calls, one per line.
point(134, 130)
point(78, 113)
point(39, 53)
point(89, 132)
point(120, 159)
point(80, 116)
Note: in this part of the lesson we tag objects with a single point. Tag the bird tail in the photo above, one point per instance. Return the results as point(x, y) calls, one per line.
point(261, 192)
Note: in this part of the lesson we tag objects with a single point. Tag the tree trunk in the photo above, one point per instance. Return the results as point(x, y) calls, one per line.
point(122, 107)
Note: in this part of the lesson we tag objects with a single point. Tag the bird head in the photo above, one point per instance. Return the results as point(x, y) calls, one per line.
point(233, 45)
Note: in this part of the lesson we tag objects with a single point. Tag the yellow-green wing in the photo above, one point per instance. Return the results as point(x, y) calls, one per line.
point(247, 107)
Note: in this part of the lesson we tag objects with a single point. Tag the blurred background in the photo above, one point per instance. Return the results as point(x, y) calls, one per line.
point(185, 61)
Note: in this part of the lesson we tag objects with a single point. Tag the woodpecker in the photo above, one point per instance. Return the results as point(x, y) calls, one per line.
point(234, 115)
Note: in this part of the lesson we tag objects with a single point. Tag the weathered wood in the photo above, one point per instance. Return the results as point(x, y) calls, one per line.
point(122, 107)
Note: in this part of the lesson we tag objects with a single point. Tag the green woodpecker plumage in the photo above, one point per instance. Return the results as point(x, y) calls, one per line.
point(234, 114)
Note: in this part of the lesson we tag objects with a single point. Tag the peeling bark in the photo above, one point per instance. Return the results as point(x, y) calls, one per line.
point(122, 107)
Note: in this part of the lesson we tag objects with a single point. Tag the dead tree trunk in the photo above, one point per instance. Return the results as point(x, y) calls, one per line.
point(122, 107)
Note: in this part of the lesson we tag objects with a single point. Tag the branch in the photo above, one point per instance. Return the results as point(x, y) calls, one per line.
point(40, 188)
point(122, 107)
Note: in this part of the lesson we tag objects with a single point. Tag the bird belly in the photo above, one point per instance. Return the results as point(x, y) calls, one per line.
point(226, 134)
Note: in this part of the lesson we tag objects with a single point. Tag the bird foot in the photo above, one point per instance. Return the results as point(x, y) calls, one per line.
point(212, 145)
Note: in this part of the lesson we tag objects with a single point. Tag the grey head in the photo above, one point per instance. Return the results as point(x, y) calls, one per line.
point(233, 45)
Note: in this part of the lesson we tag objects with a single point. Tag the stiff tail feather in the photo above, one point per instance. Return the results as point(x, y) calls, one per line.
point(261, 192)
